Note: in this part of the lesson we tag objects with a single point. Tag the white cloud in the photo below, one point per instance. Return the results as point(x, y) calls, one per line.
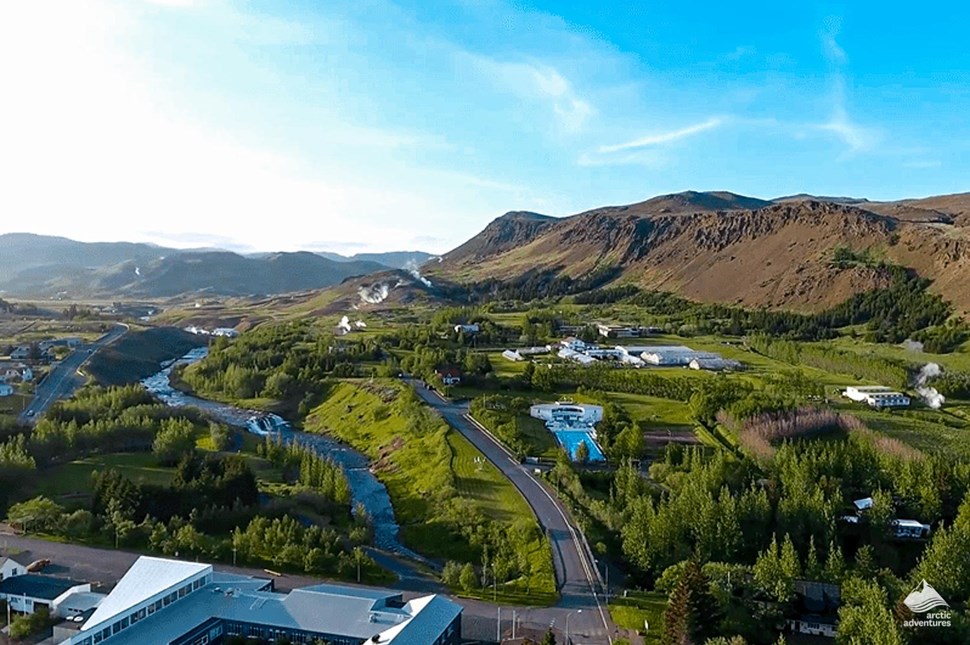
point(537, 82)
point(670, 136)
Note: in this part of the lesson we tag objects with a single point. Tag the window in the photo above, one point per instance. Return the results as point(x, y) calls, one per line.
point(158, 605)
point(125, 622)
point(196, 583)
point(151, 609)
point(98, 638)
point(116, 628)
point(106, 633)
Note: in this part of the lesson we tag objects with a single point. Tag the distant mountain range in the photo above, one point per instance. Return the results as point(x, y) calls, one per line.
point(723, 247)
point(44, 266)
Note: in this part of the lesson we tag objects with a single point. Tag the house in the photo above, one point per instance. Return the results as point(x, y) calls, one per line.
point(909, 529)
point(513, 355)
point(164, 602)
point(29, 592)
point(10, 372)
point(10, 568)
point(876, 396)
point(20, 353)
point(448, 375)
point(817, 608)
point(78, 603)
point(473, 328)
point(5, 390)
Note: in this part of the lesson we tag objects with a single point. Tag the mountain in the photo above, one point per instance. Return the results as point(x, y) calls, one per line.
point(41, 266)
point(390, 259)
point(721, 247)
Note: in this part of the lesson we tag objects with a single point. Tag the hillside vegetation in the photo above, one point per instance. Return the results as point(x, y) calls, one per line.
point(450, 501)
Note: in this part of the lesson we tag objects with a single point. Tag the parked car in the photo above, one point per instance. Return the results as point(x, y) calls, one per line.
point(38, 565)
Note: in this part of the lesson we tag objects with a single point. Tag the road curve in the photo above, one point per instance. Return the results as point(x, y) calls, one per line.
point(576, 576)
point(64, 378)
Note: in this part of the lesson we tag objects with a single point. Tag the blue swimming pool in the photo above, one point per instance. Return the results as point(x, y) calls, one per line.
point(570, 440)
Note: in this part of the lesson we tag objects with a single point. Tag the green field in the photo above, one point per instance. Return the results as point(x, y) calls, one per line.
point(431, 473)
point(637, 607)
point(73, 480)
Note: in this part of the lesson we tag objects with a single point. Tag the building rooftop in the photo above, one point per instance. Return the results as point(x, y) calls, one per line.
point(146, 577)
point(325, 609)
point(34, 585)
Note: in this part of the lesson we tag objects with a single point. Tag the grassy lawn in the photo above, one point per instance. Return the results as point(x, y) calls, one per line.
point(637, 607)
point(420, 459)
point(74, 479)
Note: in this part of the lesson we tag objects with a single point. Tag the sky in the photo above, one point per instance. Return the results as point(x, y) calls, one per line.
point(373, 125)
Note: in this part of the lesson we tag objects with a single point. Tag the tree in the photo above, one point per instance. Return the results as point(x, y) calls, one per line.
point(692, 613)
point(174, 442)
point(467, 578)
point(37, 514)
point(865, 617)
point(549, 638)
point(582, 453)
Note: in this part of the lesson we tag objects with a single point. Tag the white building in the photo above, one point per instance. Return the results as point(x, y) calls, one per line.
point(168, 602)
point(575, 356)
point(10, 568)
point(910, 529)
point(617, 331)
point(664, 355)
point(512, 355)
point(28, 592)
point(226, 332)
point(876, 396)
point(714, 364)
point(574, 344)
point(568, 413)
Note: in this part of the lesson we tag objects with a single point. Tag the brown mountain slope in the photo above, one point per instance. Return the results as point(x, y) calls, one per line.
point(778, 255)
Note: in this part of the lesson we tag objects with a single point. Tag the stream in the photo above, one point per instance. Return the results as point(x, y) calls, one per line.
point(365, 489)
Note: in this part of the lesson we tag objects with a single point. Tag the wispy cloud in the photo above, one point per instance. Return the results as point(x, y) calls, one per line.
point(538, 81)
point(665, 137)
point(830, 46)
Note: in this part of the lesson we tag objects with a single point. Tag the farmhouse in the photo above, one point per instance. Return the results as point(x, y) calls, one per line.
point(10, 372)
point(876, 396)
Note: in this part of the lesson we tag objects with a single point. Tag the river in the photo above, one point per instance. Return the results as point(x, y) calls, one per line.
point(364, 486)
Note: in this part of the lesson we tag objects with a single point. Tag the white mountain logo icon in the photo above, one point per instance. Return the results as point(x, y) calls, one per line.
point(924, 598)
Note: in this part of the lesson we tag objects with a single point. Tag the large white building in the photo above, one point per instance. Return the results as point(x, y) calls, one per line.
point(170, 602)
point(663, 355)
point(569, 413)
point(876, 396)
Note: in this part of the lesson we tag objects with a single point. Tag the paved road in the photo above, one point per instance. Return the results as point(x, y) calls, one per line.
point(63, 378)
point(575, 573)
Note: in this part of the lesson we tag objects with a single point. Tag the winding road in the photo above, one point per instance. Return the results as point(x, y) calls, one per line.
point(64, 377)
point(576, 575)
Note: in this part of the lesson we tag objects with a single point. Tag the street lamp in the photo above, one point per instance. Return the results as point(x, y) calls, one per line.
point(578, 611)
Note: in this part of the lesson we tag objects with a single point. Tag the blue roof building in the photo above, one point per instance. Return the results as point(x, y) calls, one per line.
point(168, 602)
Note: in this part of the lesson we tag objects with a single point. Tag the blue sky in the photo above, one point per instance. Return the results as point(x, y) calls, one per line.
point(377, 125)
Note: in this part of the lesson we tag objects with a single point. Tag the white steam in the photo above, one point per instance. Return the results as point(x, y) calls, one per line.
point(929, 394)
point(137, 270)
point(374, 294)
point(412, 268)
point(913, 345)
point(344, 325)
point(360, 324)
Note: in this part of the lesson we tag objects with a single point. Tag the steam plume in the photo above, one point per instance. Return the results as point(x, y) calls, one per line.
point(374, 294)
point(930, 395)
point(412, 268)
